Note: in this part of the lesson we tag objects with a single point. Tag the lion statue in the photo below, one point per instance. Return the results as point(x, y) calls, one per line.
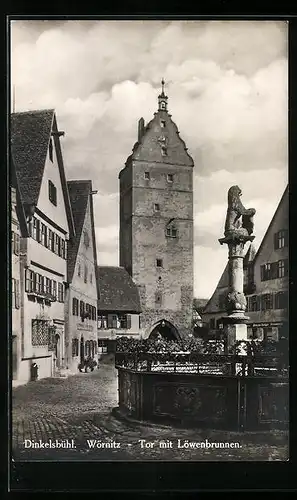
point(239, 220)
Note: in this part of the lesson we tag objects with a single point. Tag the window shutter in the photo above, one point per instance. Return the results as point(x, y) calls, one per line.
point(275, 241)
point(74, 306)
point(262, 273)
point(128, 321)
point(38, 231)
point(286, 267)
point(54, 288)
point(27, 281)
point(274, 270)
point(109, 321)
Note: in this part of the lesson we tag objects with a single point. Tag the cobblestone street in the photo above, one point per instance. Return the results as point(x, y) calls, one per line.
point(79, 408)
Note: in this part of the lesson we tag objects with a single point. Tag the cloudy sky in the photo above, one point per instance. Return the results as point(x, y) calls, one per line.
point(227, 88)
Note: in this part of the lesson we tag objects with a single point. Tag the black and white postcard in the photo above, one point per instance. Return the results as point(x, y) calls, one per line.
point(149, 240)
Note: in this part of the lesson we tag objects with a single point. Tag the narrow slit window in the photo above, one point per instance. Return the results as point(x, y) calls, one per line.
point(147, 176)
point(157, 207)
point(159, 262)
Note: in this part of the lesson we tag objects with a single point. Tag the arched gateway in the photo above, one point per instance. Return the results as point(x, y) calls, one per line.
point(166, 329)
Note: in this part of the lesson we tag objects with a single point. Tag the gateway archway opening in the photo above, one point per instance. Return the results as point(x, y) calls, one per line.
point(166, 329)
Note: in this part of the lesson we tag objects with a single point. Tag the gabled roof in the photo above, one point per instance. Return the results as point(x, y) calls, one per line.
point(250, 255)
point(223, 283)
point(118, 292)
point(284, 196)
point(30, 133)
point(19, 206)
point(79, 194)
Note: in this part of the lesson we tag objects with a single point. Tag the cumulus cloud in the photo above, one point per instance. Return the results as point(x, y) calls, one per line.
point(227, 87)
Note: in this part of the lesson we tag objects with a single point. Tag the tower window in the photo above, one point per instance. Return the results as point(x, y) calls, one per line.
point(159, 262)
point(157, 207)
point(164, 151)
point(163, 105)
point(171, 232)
point(169, 177)
point(163, 123)
point(147, 176)
point(158, 298)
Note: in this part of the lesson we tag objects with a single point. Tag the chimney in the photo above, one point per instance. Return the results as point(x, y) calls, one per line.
point(140, 129)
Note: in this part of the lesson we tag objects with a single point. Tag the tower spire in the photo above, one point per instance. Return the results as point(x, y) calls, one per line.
point(162, 98)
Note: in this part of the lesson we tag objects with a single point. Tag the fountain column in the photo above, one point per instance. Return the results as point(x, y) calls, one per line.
point(238, 229)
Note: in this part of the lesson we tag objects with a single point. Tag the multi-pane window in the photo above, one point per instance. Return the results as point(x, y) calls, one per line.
point(266, 272)
point(29, 281)
point(40, 283)
point(48, 286)
point(52, 193)
point(60, 292)
point(15, 293)
point(281, 239)
point(54, 288)
point(266, 301)
point(254, 303)
point(82, 309)
point(274, 270)
point(102, 321)
point(75, 306)
point(51, 240)
point(281, 300)
point(171, 232)
point(43, 234)
point(57, 245)
point(40, 332)
point(15, 243)
point(36, 230)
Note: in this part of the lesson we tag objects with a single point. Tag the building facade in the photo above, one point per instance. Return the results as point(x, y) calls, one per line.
point(267, 280)
point(118, 307)
point(81, 294)
point(37, 156)
point(265, 283)
point(156, 225)
point(18, 230)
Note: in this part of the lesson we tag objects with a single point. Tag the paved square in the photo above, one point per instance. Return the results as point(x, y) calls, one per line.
point(79, 408)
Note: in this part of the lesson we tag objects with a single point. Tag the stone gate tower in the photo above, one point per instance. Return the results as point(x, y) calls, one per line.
point(156, 224)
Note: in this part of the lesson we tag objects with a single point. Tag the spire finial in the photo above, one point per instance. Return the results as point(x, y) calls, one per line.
point(162, 98)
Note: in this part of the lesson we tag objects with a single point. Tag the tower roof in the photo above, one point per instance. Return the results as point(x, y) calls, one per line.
point(162, 99)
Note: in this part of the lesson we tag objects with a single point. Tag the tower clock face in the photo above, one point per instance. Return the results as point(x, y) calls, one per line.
point(86, 239)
